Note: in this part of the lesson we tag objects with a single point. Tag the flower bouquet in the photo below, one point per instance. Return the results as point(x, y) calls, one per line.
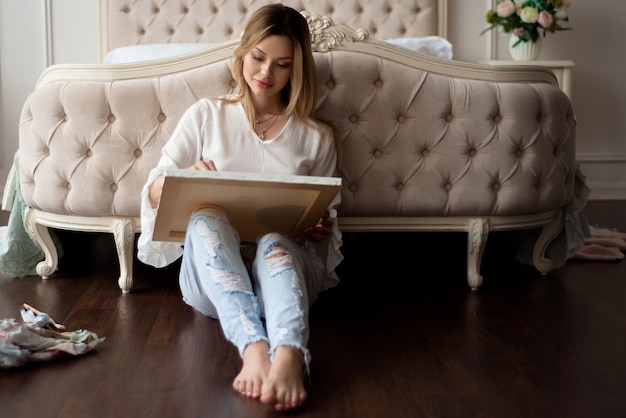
point(526, 18)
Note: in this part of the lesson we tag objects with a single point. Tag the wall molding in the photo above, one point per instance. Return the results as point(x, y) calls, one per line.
point(47, 33)
point(599, 157)
point(492, 39)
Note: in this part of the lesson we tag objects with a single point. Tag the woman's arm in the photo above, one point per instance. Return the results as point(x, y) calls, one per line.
point(156, 187)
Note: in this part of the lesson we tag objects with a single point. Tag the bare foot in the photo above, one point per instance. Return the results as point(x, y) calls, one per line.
point(284, 386)
point(256, 366)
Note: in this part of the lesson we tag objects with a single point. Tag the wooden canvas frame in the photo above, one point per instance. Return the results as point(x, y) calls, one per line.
point(255, 203)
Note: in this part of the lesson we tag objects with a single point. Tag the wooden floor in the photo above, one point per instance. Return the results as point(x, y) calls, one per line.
point(402, 336)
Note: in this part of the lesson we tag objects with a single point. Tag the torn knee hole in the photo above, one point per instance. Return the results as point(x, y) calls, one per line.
point(276, 252)
point(278, 259)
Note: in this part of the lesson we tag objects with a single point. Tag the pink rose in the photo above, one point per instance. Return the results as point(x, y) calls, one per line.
point(506, 8)
point(544, 19)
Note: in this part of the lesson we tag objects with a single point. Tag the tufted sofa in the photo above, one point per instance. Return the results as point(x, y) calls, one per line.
point(427, 144)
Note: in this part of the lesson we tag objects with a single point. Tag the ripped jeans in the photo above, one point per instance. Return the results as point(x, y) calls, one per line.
point(214, 280)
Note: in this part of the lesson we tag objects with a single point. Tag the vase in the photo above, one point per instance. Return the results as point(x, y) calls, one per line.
point(524, 51)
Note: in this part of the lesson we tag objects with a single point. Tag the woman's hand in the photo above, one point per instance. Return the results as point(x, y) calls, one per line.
point(321, 230)
point(206, 165)
point(156, 187)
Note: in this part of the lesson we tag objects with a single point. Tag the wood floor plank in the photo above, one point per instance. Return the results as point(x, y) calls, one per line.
point(523, 345)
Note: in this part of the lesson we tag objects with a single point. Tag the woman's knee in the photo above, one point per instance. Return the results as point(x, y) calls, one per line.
point(276, 252)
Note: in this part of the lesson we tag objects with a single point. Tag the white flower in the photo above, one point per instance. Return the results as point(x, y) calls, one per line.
point(529, 14)
point(560, 13)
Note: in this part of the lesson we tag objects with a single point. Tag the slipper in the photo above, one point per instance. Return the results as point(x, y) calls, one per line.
point(600, 232)
point(598, 253)
point(607, 242)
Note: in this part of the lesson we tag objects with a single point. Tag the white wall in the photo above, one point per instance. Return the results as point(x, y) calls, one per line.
point(38, 33)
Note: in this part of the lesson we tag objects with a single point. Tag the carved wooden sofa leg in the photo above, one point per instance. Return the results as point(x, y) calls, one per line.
point(548, 233)
point(122, 228)
point(42, 236)
point(477, 233)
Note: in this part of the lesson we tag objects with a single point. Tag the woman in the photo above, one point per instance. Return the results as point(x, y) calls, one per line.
point(269, 126)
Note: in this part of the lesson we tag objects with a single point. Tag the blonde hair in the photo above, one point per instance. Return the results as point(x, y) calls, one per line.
point(300, 94)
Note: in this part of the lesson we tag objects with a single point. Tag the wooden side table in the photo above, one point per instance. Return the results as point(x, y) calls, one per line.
point(562, 70)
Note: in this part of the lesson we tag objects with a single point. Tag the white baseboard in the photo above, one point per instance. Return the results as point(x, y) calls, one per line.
point(607, 191)
point(605, 175)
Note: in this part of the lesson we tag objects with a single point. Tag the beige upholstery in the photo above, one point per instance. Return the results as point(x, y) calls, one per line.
point(428, 144)
point(132, 22)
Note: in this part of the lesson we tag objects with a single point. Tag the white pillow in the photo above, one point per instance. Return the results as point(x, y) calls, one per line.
point(429, 45)
point(435, 46)
point(134, 53)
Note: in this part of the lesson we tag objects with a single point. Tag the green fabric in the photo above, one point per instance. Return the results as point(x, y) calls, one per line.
point(19, 253)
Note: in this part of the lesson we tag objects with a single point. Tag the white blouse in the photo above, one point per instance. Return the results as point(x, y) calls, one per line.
point(218, 130)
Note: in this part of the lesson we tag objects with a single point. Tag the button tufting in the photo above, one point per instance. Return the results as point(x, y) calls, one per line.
point(354, 119)
point(447, 187)
point(137, 153)
point(142, 31)
point(185, 10)
point(114, 187)
point(472, 152)
point(378, 83)
point(424, 152)
point(330, 84)
point(156, 10)
point(496, 186)
point(126, 9)
point(161, 117)
point(353, 187)
point(449, 118)
point(399, 186)
point(519, 153)
point(89, 153)
point(172, 31)
point(111, 118)
point(233, 83)
point(200, 31)
point(401, 118)
point(378, 153)
point(497, 118)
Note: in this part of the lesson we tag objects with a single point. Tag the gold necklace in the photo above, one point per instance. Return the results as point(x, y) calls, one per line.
point(257, 122)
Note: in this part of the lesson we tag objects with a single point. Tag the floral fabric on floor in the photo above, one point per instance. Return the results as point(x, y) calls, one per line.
point(40, 338)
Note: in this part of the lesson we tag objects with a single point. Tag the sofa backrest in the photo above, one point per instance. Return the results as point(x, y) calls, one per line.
point(420, 136)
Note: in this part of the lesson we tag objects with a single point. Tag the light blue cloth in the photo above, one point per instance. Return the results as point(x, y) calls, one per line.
point(19, 253)
point(575, 228)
